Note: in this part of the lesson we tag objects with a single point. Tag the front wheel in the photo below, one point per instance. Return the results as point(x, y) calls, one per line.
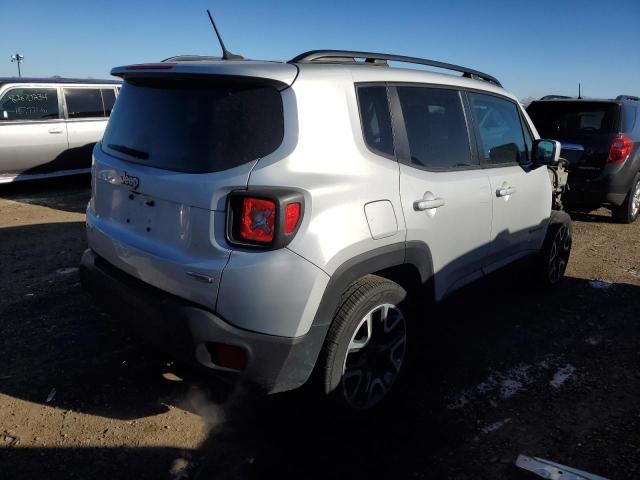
point(366, 344)
point(554, 256)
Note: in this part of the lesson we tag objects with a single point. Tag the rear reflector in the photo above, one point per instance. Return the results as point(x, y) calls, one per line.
point(227, 356)
point(151, 66)
point(291, 217)
point(620, 149)
point(257, 221)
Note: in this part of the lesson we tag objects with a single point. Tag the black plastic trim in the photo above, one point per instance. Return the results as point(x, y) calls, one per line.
point(372, 58)
point(281, 197)
point(414, 253)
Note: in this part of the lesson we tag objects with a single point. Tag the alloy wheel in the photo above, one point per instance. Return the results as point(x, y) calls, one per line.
point(559, 254)
point(374, 356)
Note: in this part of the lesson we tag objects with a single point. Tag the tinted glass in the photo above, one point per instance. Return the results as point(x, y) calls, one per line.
point(436, 127)
point(83, 102)
point(197, 126)
point(108, 99)
point(376, 119)
point(29, 104)
point(568, 119)
point(629, 118)
point(500, 129)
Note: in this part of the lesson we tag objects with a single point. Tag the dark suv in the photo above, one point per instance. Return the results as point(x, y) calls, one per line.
point(600, 139)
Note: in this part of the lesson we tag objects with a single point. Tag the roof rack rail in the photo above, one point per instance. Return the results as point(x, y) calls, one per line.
point(331, 56)
point(628, 97)
point(556, 97)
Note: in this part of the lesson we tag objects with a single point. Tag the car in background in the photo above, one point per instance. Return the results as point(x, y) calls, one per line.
point(48, 127)
point(600, 139)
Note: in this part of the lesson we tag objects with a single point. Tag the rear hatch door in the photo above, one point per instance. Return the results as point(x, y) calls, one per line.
point(584, 128)
point(174, 147)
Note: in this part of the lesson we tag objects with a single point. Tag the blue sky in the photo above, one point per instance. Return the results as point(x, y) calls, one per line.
point(534, 47)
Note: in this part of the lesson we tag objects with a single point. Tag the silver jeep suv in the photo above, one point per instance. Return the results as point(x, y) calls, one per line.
point(272, 219)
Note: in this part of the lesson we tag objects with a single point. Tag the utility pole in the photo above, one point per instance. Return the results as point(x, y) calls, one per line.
point(18, 59)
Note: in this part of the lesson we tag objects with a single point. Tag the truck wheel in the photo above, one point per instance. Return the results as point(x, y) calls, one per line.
point(554, 256)
point(628, 211)
point(365, 347)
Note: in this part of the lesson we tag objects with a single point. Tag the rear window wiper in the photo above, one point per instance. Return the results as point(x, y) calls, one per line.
point(128, 150)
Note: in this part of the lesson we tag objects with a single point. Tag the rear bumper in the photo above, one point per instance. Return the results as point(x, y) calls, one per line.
point(183, 329)
point(609, 188)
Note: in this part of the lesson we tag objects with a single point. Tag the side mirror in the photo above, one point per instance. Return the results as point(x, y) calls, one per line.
point(546, 152)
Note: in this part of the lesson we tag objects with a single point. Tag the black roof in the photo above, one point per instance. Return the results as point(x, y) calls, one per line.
point(4, 80)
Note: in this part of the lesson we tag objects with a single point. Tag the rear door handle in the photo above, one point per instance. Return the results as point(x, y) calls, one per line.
point(505, 191)
point(55, 130)
point(429, 204)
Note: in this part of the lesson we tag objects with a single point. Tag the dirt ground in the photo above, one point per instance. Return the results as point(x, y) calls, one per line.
point(500, 368)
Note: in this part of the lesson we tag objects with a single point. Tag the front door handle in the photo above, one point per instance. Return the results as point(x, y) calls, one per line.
point(505, 191)
point(429, 204)
point(55, 130)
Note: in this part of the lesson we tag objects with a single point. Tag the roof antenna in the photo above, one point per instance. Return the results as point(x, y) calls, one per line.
point(226, 54)
point(579, 91)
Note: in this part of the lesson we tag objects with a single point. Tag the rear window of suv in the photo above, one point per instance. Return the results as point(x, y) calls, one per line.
point(194, 126)
point(567, 119)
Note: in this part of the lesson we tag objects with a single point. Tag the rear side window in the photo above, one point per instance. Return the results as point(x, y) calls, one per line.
point(500, 129)
point(568, 119)
point(376, 119)
point(83, 102)
point(629, 118)
point(196, 127)
point(436, 127)
point(29, 104)
point(108, 99)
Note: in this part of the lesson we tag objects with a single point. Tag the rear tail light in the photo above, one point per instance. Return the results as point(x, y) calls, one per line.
point(620, 149)
point(258, 217)
point(292, 215)
point(263, 218)
point(151, 66)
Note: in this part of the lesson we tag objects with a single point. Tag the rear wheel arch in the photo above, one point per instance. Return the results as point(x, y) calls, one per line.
point(408, 264)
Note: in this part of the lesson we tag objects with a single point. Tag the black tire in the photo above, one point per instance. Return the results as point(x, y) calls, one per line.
point(359, 384)
point(628, 211)
point(552, 261)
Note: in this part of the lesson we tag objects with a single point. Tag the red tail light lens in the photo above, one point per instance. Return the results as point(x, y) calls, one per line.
point(228, 356)
point(257, 221)
point(620, 149)
point(291, 217)
point(151, 66)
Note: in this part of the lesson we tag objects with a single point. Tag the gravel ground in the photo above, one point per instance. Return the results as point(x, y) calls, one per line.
point(500, 368)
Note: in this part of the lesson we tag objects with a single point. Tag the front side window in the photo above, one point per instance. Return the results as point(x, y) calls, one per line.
point(436, 127)
point(84, 102)
point(376, 119)
point(29, 104)
point(500, 128)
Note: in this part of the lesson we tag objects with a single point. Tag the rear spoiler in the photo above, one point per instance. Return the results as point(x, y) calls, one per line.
point(276, 74)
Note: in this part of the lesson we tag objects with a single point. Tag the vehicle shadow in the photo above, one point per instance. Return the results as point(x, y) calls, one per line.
point(503, 321)
point(597, 215)
point(69, 194)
